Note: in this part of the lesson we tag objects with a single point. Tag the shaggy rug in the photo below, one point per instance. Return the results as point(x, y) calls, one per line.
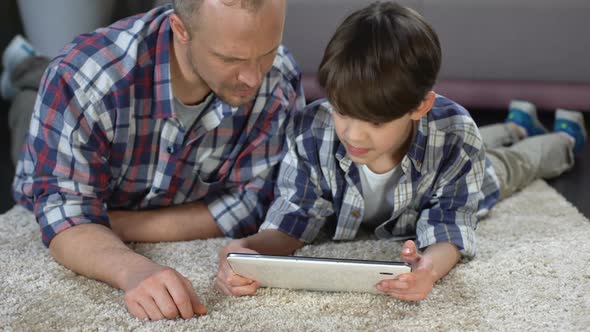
point(532, 272)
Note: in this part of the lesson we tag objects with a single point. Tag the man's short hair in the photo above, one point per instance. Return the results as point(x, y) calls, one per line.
point(380, 63)
point(187, 9)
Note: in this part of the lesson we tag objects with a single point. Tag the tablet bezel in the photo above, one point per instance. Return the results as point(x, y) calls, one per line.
point(315, 273)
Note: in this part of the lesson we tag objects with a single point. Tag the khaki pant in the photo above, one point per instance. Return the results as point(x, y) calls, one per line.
point(519, 162)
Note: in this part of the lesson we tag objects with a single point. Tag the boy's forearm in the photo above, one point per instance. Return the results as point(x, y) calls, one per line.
point(444, 256)
point(177, 223)
point(272, 242)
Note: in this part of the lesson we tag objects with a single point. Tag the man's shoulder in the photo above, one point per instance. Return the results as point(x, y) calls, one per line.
point(285, 64)
point(101, 58)
point(283, 80)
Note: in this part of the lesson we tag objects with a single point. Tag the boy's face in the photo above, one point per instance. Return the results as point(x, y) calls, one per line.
point(380, 146)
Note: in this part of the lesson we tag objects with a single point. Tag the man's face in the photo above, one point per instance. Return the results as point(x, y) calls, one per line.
point(232, 49)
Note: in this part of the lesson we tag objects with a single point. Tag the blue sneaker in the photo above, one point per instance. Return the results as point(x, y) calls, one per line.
point(17, 51)
point(571, 123)
point(524, 115)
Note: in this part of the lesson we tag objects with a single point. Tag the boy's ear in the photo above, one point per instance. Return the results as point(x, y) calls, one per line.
point(425, 106)
point(179, 28)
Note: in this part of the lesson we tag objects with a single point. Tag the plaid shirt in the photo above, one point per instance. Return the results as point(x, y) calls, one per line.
point(104, 135)
point(446, 185)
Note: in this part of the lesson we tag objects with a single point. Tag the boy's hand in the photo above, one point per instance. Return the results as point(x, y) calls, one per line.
point(413, 286)
point(227, 281)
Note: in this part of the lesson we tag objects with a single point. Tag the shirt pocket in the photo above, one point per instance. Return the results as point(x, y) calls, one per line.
point(203, 187)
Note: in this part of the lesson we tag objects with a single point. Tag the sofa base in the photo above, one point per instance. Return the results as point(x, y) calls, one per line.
point(497, 93)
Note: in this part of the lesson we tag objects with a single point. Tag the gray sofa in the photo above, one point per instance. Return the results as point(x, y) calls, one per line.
point(493, 50)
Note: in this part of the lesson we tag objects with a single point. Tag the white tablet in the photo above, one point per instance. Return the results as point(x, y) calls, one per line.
point(319, 274)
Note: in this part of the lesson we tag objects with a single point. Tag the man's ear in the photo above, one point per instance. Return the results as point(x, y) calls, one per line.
point(425, 106)
point(180, 29)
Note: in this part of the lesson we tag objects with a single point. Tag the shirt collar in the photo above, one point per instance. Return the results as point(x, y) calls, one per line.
point(162, 101)
point(417, 149)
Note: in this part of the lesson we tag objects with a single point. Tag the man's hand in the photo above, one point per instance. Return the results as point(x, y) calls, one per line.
point(436, 262)
point(156, 292)
point(152, 291)
point(227, 281)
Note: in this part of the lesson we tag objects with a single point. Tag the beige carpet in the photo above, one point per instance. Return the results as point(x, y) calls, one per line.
point(532, 273)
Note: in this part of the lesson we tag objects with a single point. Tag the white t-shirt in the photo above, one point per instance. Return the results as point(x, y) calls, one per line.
point(378, 207)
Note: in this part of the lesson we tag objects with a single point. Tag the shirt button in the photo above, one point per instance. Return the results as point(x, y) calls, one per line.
point(170, 149)
point(356, 214)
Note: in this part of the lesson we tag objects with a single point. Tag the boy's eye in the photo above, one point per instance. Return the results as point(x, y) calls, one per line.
point(376, 124)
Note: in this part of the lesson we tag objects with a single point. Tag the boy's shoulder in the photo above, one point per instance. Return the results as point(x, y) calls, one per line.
point(447, 127)
point(446, 112)
point(450, 118)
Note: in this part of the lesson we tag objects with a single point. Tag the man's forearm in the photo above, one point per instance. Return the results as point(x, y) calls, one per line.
point(177, 223)
point(96, 252)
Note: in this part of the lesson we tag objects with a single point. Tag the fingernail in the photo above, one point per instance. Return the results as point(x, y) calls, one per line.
point(407, 250)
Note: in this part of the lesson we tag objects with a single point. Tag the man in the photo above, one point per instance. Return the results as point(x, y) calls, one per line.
point(161, 127)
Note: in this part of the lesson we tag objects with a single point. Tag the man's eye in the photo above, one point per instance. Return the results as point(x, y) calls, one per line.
point(231, 60)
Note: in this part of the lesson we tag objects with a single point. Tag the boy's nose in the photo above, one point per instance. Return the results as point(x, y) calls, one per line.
point(354, 132)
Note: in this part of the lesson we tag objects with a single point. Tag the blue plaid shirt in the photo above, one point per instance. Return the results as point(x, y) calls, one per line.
point(104, 135)
point(446, 186)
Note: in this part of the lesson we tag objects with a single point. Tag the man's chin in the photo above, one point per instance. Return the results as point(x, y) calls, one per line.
point(235, 99)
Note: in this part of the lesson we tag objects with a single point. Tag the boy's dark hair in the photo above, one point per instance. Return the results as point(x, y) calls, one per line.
point(380, 63)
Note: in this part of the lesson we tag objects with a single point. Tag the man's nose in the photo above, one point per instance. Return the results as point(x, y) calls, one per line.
point(251, 74)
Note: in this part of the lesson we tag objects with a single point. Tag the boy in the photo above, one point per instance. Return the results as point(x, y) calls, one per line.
point(385, 151)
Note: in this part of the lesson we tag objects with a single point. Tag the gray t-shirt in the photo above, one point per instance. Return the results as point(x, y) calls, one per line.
point(188, 114)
